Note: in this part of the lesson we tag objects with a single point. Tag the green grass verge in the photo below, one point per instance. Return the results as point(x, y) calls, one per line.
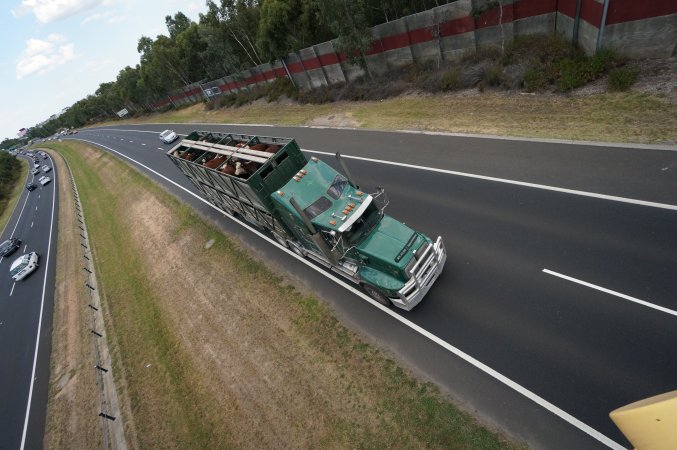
point(8, 204)
point(409, 413)
point(141, 331)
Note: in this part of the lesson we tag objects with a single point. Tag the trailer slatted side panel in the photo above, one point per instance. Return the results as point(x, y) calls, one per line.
point(249, 197)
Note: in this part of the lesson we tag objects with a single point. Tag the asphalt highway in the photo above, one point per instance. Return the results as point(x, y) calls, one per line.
point(558, 301)
point(26, 317)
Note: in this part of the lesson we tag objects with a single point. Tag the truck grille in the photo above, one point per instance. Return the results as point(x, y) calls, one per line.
point(429, 261)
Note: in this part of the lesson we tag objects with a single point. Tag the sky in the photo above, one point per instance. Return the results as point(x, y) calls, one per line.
point(56, 52)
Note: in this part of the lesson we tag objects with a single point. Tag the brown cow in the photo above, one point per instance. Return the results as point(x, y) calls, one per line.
point(228, 169)
point(215, 162)
point(259, 147)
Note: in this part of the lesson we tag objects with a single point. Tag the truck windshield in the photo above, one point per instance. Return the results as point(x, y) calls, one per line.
point(337, 186)
point(363, 226)
point(318, 207)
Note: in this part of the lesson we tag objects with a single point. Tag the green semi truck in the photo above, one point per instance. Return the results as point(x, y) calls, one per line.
point(314, 210)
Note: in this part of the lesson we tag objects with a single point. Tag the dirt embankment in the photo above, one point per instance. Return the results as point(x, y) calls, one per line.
point(216, 351)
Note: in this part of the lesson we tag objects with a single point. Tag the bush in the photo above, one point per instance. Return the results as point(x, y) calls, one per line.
point(493, 76)
point(620, 79)
point(451, 81)
point(535, 80)
point(279, 87)
point(572, 74)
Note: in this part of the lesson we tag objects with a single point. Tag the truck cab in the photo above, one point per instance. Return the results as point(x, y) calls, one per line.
point(394, 263)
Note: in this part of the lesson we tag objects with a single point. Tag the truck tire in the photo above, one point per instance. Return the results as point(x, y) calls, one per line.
point(296, 249)
point(376, 294)
point(280, 240)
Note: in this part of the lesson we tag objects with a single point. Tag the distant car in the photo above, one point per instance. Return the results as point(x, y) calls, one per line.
point(168, 136)
point(44, 157)
point(30, 186)
point(35, 171)
point(46, 168)
point(44, 180)
point(9, 246)
point(23, 266)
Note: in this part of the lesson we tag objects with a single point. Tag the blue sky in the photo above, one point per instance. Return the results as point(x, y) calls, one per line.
point(56, 52)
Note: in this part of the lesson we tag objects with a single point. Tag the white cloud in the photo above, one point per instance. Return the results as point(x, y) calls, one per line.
point(107, 16)
point(50, 10)
point(42, 56)
point(97, 16)
point(117, 19)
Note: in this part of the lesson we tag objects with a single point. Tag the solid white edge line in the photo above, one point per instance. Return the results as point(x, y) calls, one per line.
point(609, 291)
point(488, 178)
point(469, 359)
point(42, 306)
point(513, 182)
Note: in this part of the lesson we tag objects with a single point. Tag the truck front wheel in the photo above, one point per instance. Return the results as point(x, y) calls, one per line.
point(376, 294)
point(296, 249)
point(280, 240)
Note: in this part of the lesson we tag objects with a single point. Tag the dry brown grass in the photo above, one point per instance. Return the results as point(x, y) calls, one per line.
point(217, 351)
point(619, 117)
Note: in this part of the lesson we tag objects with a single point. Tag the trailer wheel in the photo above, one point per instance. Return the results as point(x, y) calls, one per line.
point(376, 294)
point(280, 240)
point(296, 249)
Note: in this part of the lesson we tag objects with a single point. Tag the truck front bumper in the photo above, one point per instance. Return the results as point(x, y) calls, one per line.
point(428, 267)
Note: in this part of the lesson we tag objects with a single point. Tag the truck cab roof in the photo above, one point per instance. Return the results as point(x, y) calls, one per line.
point(325, 195)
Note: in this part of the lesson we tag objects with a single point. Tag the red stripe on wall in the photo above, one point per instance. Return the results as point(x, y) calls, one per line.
point(457, 26)
point(567, 7)
point(591, 12)
point(296, 67)
point(420, 35)
point(530, 8)
point(312, 63)
point(280, 72)
point(394, 41)
point(329, 59)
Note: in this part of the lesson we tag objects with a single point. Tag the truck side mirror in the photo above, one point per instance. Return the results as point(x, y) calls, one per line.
point(345, 170)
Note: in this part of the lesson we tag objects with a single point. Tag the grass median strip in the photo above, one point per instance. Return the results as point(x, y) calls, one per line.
point(215, 350)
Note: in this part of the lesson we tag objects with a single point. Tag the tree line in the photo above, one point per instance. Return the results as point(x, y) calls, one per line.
point(9, 174)
point(230, 36)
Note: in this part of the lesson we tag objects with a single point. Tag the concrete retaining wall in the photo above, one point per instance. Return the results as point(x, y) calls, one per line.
point(648, 38)
point(636, 29)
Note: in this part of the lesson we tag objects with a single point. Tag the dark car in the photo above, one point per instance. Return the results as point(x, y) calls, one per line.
point(30, 186)
point(9, 246)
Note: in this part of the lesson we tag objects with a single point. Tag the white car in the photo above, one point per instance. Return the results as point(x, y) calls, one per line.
point(23, 266)
point(44, 180)
point(168, 136)
point(35, 171)
point(46, 168)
